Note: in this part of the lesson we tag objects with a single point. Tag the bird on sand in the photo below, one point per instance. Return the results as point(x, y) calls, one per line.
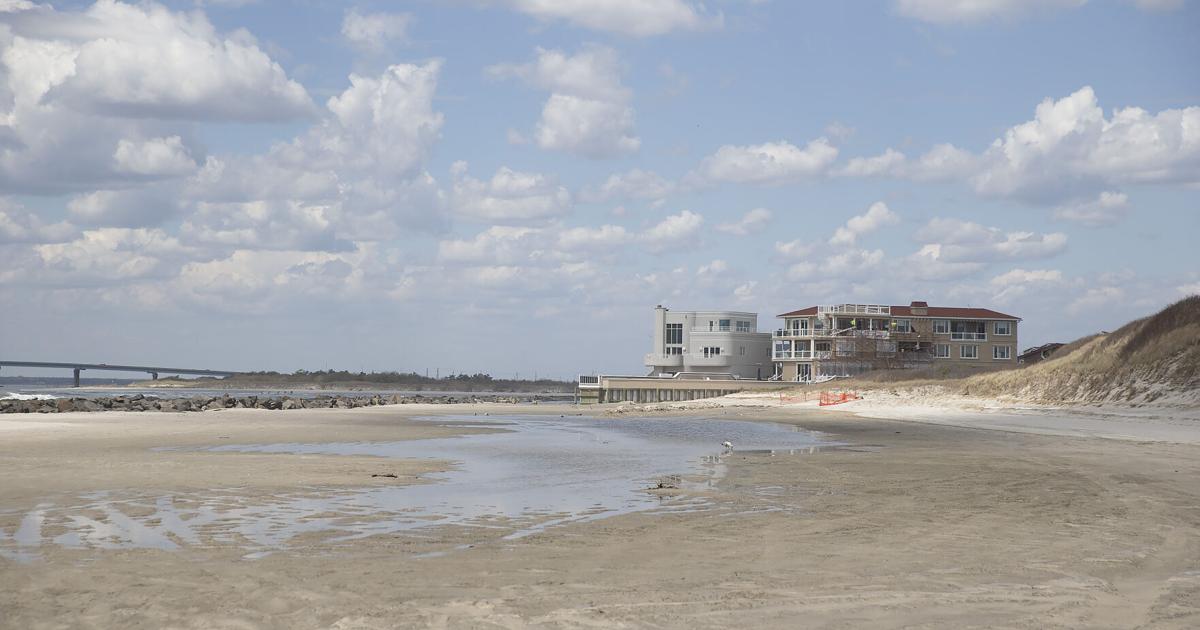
point(727, 444)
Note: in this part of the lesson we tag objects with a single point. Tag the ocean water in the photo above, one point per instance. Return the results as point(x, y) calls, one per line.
point(539, 472)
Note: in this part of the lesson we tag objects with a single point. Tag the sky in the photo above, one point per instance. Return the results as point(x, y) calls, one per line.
point(511, 186)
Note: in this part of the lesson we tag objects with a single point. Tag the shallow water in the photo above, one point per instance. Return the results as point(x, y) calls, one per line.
point(540, 472)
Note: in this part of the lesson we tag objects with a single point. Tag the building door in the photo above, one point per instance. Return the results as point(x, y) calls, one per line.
point(804, 372)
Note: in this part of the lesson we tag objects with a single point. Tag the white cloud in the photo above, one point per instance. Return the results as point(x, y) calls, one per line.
point(876, 216)
point(768, 163)
point(753, 221)
point(509, 196)
point(18, 225)
point(265, 225)
point(1189, 289)
point(1017, 282)
point(497, 245)
point(373, 32)
point(109, 255)
point(1022, 276)
point(78, 86)
point(955, 240)
point(714, 268)
point(973, 11)
point(1068, 154)
point(145, 60)
point(588, 111)
point(886, 163)
point(853, 263)
point(794, 249)
point(745, 292)
point(1107, 209)
point(1094, 298)
point(363, 163)
point(154, 157)
point(674, 231)
point(604, 238)
point(633, 184)
point(639, 18)
point(128, 207)
point(591, 128)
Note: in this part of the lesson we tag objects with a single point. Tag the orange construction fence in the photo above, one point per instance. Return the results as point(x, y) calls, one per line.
point(837, 398)
point(825, 398)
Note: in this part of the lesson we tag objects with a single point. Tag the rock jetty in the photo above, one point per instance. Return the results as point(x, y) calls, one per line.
point(139, 402)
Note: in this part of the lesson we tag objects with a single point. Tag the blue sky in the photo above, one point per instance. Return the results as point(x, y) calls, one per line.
point(511, 186)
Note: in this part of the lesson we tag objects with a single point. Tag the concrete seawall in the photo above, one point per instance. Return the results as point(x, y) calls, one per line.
point(641, 389)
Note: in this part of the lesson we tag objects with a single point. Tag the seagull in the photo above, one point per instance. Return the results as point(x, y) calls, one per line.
point(728, 445)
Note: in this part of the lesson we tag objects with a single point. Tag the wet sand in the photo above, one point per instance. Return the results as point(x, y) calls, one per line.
point(914, 525)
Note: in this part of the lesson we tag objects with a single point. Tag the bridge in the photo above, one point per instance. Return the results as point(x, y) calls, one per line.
point(149, 369)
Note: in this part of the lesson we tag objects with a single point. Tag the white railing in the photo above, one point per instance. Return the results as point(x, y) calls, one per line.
point(783, 355)
point(793, 332)
point(968, 336)
point(858, 309)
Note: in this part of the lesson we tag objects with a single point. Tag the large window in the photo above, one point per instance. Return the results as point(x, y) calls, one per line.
point(712, 351)
point(674, 334)
point(969, 352)
point(1001, 352)
point(1003, 328)
point(673, 350)
point(902, 325)
point(723, 324)
point(743, 326)
point(942, 351)
point(941, 326)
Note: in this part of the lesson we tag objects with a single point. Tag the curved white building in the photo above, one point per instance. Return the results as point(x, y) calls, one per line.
point(709, 342)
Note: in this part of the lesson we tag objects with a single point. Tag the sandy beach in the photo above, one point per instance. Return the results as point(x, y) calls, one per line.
point(916, 522)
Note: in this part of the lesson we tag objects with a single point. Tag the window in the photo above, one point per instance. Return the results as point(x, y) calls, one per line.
point(969, 352)
point(1001, 352)
point(942, 351)
point(1004, 328)
point(712, 351)
point(941, 326)
point(742, 350)
point(723, 324)
point(902, 325)
point(674, 350)
point(743, 327)
point(674, 333)
point(823, 346)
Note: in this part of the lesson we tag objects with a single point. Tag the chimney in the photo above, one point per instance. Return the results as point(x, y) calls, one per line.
point(919, 308)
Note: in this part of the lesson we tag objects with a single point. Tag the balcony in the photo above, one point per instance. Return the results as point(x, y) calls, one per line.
point(968, 336)
point(655, 359)
point(801, 355)
point(792, 332)
point(699, 360)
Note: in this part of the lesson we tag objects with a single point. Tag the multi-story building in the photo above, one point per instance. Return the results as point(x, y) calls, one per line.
point(820, 342)
point(709, 342)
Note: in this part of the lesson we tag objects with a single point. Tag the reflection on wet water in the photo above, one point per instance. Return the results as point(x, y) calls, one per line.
point(541, 472)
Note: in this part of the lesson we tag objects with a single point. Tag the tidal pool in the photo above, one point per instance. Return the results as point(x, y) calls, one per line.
point(538, 472)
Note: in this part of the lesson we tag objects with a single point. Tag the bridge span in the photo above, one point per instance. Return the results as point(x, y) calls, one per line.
point(149, 369)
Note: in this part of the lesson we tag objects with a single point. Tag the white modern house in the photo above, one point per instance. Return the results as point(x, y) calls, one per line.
point(700, 343)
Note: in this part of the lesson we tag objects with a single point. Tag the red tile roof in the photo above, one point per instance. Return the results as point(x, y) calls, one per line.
point(932, 311)
point(954, 311)
point(812, 310)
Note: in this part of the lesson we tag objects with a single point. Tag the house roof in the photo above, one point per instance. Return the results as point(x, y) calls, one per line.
point(932, 311)
point(954, 311)
point(812, 310)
